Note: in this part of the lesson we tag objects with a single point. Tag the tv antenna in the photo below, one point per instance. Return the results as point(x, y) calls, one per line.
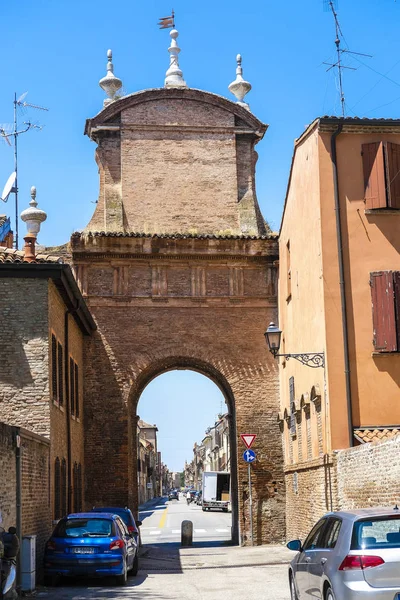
point(12, 131)
point(330, 5)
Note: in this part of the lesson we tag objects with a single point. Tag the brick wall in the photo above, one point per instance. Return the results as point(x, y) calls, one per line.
point(24, 381)
point(363, 476)
point(36, 513)
point(369, 475)
point(35, 491)
point(7, 476)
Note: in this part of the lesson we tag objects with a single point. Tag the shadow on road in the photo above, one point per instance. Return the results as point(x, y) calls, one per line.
point(146, 510)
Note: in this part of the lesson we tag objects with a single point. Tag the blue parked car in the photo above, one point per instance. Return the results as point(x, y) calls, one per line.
point(91, 544)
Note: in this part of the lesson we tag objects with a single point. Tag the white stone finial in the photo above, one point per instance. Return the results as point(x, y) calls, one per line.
point(33, 217)
point(174, 76)
point(240, 87)
point(110, 83)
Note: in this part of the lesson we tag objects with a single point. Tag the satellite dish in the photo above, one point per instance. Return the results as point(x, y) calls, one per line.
point(8, 188)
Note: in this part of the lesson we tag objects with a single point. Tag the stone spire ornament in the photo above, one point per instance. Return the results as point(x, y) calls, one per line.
point(110, 83)
point(240, 87)
point(33, 217)
point(174, 76)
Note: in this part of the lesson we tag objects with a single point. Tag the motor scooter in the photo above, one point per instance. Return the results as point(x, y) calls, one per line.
point(9, 548)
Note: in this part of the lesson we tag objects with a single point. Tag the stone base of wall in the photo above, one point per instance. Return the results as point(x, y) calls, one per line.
point(359, 477)
point(35, 491)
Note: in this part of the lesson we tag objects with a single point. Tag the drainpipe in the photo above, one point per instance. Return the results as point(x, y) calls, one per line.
point(18, 493)
point(342, 283)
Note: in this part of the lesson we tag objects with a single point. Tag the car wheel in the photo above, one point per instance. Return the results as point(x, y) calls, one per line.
point(293, 593)
point(135, 566)
point(330, 595)
point(122, 579)
point(50, 580)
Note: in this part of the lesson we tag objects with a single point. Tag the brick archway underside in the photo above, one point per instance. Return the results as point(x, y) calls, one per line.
point(173, 363)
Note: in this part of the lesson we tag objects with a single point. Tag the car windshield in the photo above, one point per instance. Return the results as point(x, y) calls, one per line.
point(73, 528)
point(376, 532)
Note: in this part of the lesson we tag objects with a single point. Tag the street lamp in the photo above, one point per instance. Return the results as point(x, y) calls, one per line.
point(310, 359)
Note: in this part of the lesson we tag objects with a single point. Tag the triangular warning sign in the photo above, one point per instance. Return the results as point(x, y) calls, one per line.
point(248, 439)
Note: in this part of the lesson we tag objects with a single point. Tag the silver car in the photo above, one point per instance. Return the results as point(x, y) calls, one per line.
point(349, 555)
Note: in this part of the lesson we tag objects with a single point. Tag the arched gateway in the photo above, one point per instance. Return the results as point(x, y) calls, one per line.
point(179, 271)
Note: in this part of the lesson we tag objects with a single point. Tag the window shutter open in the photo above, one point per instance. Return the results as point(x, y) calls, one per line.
point(374, 175)
point(72, 385)
point(383, 311)
point(392, 157)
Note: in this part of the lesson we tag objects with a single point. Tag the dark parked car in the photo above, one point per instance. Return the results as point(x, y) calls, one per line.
point(90, 544)
point(173, 495)
point(126, 515)
point(349, 555)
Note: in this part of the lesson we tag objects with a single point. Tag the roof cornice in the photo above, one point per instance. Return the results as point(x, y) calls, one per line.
point(111, 111)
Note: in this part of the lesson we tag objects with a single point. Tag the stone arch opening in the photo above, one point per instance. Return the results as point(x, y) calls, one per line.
point(178, 363)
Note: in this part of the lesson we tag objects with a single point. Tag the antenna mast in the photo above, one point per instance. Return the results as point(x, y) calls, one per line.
point(15, 133)
point(339, 57)
point(339, 51)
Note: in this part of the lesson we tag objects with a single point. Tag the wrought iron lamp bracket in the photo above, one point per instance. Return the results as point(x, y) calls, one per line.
point(311, 359)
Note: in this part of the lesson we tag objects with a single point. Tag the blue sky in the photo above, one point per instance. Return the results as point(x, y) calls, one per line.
point(182, 404)
point(56, 50)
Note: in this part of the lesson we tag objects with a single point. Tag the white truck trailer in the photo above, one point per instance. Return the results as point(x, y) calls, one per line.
point(216, 490)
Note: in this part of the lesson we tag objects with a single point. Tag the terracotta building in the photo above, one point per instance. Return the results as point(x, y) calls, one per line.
point(339, 295)
point(178, 268)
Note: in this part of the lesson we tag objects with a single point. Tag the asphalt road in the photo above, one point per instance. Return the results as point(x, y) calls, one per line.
point(162, 523)
point(208, 570)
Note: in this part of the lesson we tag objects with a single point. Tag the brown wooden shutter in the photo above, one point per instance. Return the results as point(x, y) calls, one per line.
point(383, 311)
point(76, 390)
point(72, 385)
point(53, 367)
point(392, 160)
point(60, 373)
point(374, 175)
point(396, 288)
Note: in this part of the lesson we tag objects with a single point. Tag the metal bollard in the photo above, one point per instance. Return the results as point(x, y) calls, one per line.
point(187, 533)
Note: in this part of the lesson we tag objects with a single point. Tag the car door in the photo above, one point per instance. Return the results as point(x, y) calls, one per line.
point(321, 556)
point(303, 560)
point(129, 543)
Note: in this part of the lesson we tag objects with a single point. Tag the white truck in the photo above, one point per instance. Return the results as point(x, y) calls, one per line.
point(216, 490)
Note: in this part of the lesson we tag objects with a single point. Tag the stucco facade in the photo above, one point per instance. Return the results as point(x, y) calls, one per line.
point(326, 414)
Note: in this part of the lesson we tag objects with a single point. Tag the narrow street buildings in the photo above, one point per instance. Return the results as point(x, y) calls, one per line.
point(339, 294)
point(43, 323)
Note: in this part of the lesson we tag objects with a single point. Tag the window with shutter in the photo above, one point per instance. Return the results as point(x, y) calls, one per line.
point(72, 385)
point(54, 367)
point(374, 175)
point(392, 161)
point(292, 407)
point(383, 311)
point(63, 487)
point(57, 489)
point(76, 390)
point(60, 373)
point(396, 289)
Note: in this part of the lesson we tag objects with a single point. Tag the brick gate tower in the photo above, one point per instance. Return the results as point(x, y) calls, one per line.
point(179, 270)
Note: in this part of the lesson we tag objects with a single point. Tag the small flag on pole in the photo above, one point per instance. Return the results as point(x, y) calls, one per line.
point(166, 22)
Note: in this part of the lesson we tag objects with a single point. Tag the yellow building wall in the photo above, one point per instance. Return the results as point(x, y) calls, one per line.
point(301, 303)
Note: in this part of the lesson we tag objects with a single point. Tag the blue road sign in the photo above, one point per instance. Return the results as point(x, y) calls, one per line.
point(249, 456)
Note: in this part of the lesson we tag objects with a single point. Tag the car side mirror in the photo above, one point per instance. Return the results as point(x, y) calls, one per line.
point(138, 523)
point(294, 545)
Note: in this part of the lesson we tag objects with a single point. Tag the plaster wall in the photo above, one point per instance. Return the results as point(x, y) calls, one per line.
point(301, 301)
point(371, 243)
